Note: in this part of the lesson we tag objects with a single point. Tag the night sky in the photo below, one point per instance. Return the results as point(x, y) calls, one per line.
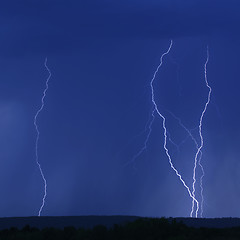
point(102, 55)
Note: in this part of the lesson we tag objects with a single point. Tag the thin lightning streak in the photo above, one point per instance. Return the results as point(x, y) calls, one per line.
point(200, 134)
point(130, 141)
point(185, 128)
point(37, 139)
point(164, 125)
point(173, 143)
point(146, 141)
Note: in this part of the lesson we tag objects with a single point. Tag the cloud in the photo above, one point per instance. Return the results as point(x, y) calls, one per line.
point(32, 27)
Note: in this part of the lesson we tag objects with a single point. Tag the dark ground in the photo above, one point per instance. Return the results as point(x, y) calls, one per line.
point(108, 221)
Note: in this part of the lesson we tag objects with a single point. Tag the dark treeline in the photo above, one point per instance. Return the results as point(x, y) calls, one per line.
point(146, 229)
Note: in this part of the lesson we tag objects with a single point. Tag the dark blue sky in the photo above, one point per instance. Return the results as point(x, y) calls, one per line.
point(102, 55)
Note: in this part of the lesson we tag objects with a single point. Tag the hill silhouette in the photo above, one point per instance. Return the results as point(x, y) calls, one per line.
point(89, 222)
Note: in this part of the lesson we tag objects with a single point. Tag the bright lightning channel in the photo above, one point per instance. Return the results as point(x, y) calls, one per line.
point(199, 163)
point(164, 126)
point(38, 135)
point(201, 182)
point(199, 153)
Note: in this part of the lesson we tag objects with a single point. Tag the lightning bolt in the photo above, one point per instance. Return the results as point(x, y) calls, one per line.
point(198, 156)
point(177, 146)
point(201, 183)
point(38, 135)
point(156, 110)
point(144, 147)
point(185, 128)
point(194, 169)
point(199, 151)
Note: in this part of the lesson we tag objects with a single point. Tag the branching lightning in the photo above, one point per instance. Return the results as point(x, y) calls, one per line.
point(194, 168)
point(164, 126)
point(198, 155)
point(38, 135)
point(151, 120)
point(189, 134)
